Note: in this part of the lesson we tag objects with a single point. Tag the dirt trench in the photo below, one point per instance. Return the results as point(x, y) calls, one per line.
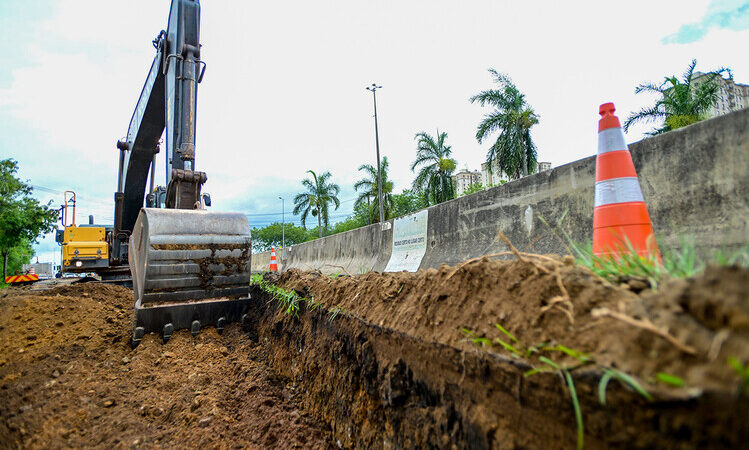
point(396, 360)
point(68, 378)
point(387, 362)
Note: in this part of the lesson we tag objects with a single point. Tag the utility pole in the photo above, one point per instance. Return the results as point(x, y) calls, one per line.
point(374, 88)
point(283, 225)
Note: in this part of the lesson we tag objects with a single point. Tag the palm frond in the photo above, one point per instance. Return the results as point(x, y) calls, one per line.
point(645, 115)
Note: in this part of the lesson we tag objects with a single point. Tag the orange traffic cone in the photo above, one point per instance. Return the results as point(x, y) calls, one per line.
point(273, 264)
point(620, 217)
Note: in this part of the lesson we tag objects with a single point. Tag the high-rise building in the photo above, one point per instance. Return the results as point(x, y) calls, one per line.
point(732, 96)
point(464, 179)
point(496, 176)
point(492, 177)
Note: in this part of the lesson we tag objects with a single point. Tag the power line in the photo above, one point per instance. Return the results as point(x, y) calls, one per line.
point(268, 217)
point(78, 197)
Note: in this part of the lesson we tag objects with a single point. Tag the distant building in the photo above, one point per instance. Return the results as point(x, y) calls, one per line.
point(496, 176)
point(493, 177)
point(732, 96)
point(464, 179)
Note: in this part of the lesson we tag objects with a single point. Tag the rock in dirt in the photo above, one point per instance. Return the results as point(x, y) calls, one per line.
point(205, 421)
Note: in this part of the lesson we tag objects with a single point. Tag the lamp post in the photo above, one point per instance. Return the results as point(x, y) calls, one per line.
point(283, 225)
point(374, 88)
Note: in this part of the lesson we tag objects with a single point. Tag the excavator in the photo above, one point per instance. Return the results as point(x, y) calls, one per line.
point(190, 267)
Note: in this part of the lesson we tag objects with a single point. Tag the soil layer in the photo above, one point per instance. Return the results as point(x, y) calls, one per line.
point(388, 361)
point(384, 360)
point(68, 378)
point(706, 317)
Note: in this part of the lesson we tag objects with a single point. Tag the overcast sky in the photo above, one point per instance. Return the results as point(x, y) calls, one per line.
point(284, 86)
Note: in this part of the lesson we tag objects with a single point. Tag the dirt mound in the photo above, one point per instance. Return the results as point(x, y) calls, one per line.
point(69, 378)
point(688, 329)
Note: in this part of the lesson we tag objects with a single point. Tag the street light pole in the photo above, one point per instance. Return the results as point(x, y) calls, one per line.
point(374, 88)
point(283, 225)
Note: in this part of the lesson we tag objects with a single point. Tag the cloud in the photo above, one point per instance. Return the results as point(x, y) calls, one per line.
point(726, 14)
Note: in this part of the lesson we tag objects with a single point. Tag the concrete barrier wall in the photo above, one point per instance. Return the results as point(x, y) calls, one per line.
point(695, 181)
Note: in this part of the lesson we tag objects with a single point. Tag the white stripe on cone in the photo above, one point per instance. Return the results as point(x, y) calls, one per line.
point(618, 190)
point(611, 140)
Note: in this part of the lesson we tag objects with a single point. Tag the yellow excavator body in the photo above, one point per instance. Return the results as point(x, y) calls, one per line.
point(84, 248)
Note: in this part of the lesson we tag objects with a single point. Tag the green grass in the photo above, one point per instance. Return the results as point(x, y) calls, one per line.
point(676, 263)
point(288, 300)
point(537, 357)
point(742, 370)
point(335, 311)
point(671, 380)
point(681, 262)
point(623, 378)
point(576, 407)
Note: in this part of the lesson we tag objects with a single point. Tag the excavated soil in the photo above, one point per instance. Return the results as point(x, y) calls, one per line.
point(68, 378)
point(707, 317)
point(383, 362)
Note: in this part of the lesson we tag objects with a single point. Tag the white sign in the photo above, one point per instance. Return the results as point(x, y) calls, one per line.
point(409, 242)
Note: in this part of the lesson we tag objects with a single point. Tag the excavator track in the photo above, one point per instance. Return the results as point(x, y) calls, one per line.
point(190, 269)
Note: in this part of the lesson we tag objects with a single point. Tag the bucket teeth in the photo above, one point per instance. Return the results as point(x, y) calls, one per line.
point(166, 333)
point(220, 324)
point(138, 334)
point(195, 327)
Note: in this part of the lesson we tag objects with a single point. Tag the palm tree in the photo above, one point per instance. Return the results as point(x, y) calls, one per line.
point(514, 149)
point(681, 103)
point(320, 193)
point(435, 176)
point(368, 188)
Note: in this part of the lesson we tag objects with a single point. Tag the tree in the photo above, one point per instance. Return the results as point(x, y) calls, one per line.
point(473, 188)
point(434, 179)
point(407, 202)
point(514, 149)
point(367, 188)
point(22, 218)
point(361, 217)
point(680, 103)
point(272, 235)
point(320, 193)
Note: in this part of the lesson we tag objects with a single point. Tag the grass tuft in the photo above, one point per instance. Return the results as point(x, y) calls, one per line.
point(507, 333)
point(547, 365)
point(623, 378)
point(676, 263)
point(743, 372)
point(576, 407)
point(335, 311)
point(671, 380)
point(288, 300)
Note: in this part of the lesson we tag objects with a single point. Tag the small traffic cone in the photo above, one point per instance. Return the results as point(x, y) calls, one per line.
point(620, 217)
point(273, 264)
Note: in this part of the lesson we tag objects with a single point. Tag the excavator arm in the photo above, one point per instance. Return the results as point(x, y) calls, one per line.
point(190, 267)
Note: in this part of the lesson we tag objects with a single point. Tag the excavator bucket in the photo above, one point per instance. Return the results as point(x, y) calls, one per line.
point(190, 269)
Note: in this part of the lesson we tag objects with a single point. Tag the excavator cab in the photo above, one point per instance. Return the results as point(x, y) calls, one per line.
point(83, 247)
